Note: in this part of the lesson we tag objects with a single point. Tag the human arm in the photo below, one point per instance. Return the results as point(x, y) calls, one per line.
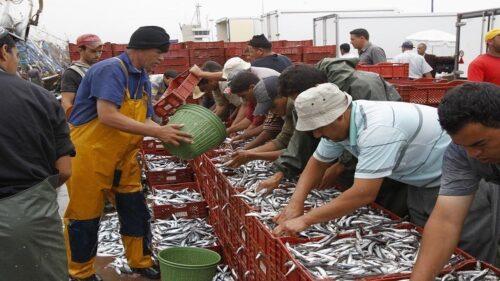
point(242, 157)
point(109, 115)
point(196, 70)
point(67, 100)
point(331, 175)
point(310, 178)
point(253, 130)
point(70, 81)
point(426, 69)
point(63, 165)
point(441, 236)
point(363, 192)
point(378, 55)
point(269, 146)
point(241, 125)
point(262, 138)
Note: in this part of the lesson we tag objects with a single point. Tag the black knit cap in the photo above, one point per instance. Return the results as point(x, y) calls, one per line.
point(150, 37)
point(260, 41)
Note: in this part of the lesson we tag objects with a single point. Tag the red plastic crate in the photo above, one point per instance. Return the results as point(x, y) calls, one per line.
point(387, 70)
point(106, 55)
point(233, 52)
point(189, 210)
point(314, 54)
point(177, 93)
point(204, 45)
point(155, 178)
point(293, 53)
point(106, 47)
point(179, 68)
point(180, 53)
point(177, 46)
point(304, 43)
point(173, 61)
point(176, 186)
point(206, 53)
point(426, 93)
point(235, 45)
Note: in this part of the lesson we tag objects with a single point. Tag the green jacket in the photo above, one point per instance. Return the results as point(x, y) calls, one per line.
point(359, 84)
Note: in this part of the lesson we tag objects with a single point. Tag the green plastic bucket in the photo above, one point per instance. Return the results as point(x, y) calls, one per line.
point(188, 264)
point(207, 130)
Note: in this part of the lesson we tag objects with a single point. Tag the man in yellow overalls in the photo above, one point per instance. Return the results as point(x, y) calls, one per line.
point(111, 115)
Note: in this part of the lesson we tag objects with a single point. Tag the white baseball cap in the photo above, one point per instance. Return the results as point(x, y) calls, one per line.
point(234, 65)
point(319, 106)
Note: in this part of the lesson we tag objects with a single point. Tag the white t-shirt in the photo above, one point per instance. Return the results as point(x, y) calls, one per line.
point(418, 65)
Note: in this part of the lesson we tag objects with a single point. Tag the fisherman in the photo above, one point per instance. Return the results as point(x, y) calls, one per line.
point(418, 67)
point(262, 55)
point(90, 49)
point(485, 68)
point(248, 86)
point(368, 53)
point(345, 51)
point(398, 140)
point(168, 76)
point(111, 115)
point(36, 150)
point(469, 113)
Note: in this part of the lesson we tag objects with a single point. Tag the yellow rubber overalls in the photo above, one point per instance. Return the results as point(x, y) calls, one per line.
point(106, 163)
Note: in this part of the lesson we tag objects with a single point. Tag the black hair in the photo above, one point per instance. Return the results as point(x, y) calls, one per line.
point(297, 78)
point(170, 74)
point(9, 41)
point(210, 66)
point(345, 47)
point(360, 32)
point(470, 103)
point(260, 41)
point(242, 82)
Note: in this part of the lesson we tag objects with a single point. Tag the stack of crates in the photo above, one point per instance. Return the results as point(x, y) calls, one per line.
point(314, 54)
point(200, 52)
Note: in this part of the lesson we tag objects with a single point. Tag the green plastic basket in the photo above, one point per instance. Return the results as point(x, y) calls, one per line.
point(188, 264)
point(207, 130)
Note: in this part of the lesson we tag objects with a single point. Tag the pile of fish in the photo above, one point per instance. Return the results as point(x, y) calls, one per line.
point(381, 252)
point(110, 243)
point(161, 163)
point(182, 232)
point(478, 273)
point(366, 218)
point(278, 198)
point(224, 273)
point(175, 197)
point(248, 174)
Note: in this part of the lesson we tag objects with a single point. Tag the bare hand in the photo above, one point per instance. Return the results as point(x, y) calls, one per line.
point(291, 227)
point(271, 183)
point(173, 135)
point(291, 211)
point(196, 70)
point(239, 158)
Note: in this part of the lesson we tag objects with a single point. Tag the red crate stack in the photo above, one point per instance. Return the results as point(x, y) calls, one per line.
point(235, 45)
point(314, 54)
point(177, 46)
point(293, 53)
point(387, 70)
point(107, 51)
point(177, 60)
point(424, 92)
point(200, 56)
point(233, 52)
point(303, 43)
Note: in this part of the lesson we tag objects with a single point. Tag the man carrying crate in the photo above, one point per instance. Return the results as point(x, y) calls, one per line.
point(111, 114)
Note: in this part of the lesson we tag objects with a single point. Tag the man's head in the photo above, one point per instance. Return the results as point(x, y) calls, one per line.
point(259, 47)
point(9, 55)
point(421, 48)
point(168, 76)
point(471, 116)
point(265, 92)
point(345, 48)
point(492, 39)
point(147, 45)
point(243, 85)
point(296, 79)
point(89, 47)
point(206, 85)
point(359, 38)
point(324, 109)
point(407, 46)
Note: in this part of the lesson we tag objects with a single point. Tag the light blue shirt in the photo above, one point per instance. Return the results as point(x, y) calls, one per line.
point(402, 141)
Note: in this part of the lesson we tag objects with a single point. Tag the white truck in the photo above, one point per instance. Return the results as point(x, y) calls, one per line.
point(387, 30)
point(237, 29)
point(296, 25)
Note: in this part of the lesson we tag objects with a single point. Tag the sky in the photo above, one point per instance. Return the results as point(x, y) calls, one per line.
point(115, 20)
